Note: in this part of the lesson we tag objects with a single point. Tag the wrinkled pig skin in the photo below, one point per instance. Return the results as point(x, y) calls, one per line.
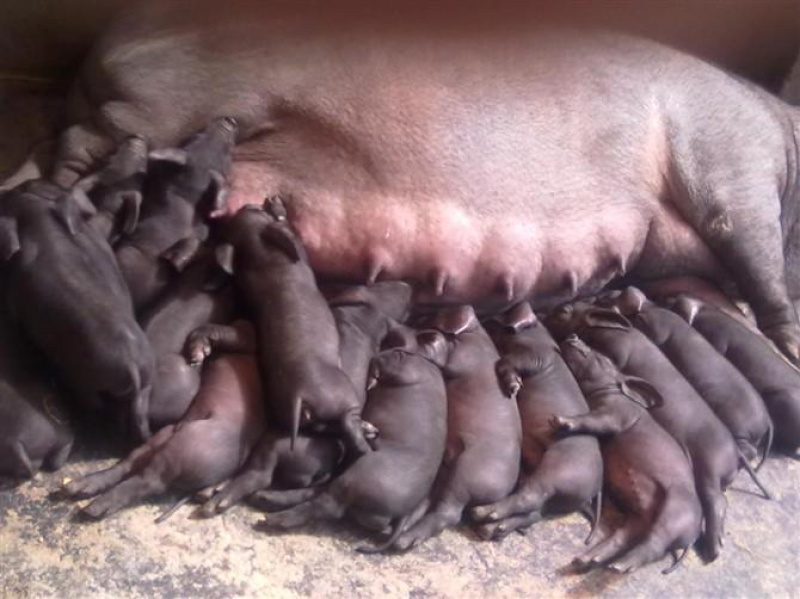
point(363, 316)
point(414, 147)
point(116, 190)
point(183, 188)
point(734, 400)
point(197, 297)
point(713, 451)
point(776, 381)
point(408, 403)
point(646, 471)
point(34, 432)
point(559, 474)
point(484, 434)
point(63, 284)
point(298, 343)
point(207, 446)
point(312, 461)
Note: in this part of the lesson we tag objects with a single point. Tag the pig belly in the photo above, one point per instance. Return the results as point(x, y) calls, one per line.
point(551, 248)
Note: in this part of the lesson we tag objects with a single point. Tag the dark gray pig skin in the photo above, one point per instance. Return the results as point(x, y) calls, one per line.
point(558, 474)
point(734, 400)
point(484, 434)
point(207, 446)
point(67, 293)
point(646, 471)
point(777, 381)
point(184, 187)
point(34, 430)
point(200, 295)
point(311, 461)
point(599, 153)
point(407, 401)
point(711, 447)
point(116, 190)
point(297, 339)
point(363, 315)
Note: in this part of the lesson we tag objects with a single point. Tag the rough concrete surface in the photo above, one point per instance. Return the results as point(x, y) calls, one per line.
point(46, 552)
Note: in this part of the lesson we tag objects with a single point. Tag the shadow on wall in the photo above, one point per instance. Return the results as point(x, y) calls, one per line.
point(756, 38)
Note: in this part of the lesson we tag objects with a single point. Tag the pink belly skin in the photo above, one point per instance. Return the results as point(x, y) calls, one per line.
point(452, 253)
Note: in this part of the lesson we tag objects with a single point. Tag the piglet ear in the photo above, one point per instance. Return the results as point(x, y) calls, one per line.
point(641, 392)
point(686, 307)
point(174, 156)
point(519, 317)
point(631, 301)
point(434, 346)
point(605, 318)
point(455, 320)
point(282, 237)
point(9, 238)
point(223, 255)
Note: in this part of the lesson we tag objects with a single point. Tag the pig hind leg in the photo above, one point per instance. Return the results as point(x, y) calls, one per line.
point(615, 544)
point(97, 482)
point(734, 206)
point(676, 527)
point(322, 507)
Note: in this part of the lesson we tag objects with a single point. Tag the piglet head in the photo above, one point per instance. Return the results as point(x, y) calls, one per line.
point(512, 321)
point(198, 170)
point(684, 306)
point(628, 302)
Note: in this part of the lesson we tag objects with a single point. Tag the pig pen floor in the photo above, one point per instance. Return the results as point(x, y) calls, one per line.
point(45, 551)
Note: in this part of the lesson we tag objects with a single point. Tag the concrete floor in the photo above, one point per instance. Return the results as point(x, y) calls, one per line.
point(45, 551)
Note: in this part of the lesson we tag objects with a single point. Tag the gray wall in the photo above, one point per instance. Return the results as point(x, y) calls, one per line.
point(757, 38)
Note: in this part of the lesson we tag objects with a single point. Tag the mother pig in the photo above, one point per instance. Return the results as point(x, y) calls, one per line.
point(462, 149)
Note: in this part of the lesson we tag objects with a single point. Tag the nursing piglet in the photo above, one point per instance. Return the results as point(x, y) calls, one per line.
point(363, 315)
point(34, 432)
point(184, 186)
point(729, 394)
point(713, 451)
point(776, 380)
point(646, 471)
point(200, 295)
point(207, 446)
point(297, 339)
point(407, 402)
point(559, 474)
point(484, 434)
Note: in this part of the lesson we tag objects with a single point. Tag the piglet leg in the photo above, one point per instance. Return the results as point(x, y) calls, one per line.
point(502, 528)
point(273, 501)
point(203, 341)
point(322, 507)
point(597, 422)
point(150, 482)
point(675, 527)
point(257, 475)
point(97, 482)
point(609, 548)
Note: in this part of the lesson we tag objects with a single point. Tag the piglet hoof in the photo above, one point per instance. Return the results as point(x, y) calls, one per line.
point(198, 349)
point(484, 513)
point(510, 381)
point(560, 425)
